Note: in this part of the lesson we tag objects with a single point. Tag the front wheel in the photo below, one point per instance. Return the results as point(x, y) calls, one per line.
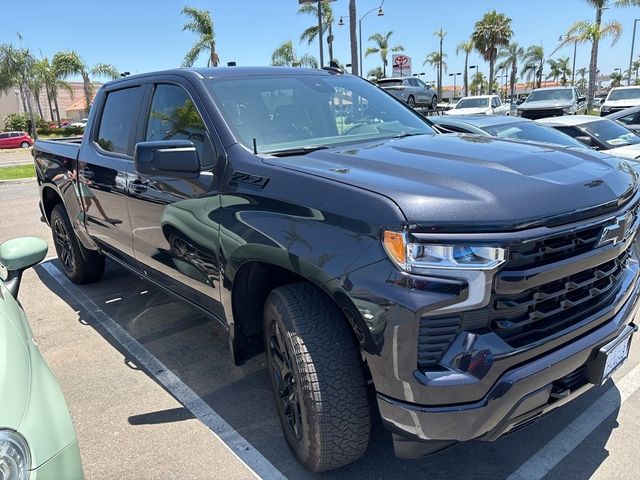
point(317, 377)
point(411, 101)
point(79, 264)
point(24, 145)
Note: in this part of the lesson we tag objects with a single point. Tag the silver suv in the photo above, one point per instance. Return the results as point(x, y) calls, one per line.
point(413, 91)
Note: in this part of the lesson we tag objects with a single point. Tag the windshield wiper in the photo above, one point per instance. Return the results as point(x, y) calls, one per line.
point(410, 134)
point(296, 151)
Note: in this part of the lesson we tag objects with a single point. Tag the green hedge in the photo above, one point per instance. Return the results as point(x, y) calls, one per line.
point(62, 132)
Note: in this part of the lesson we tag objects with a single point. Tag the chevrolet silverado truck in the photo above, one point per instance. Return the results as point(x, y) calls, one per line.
point(457, 287)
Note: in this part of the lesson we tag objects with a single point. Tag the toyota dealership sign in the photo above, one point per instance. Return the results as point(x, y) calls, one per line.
point(401, 65)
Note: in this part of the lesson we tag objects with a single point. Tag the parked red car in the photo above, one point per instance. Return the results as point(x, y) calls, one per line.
point(15, 140)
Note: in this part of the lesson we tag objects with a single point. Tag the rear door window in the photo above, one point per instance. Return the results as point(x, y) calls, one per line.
point(118, 121)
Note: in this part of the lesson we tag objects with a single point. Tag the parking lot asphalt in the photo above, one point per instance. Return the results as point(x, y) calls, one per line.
point(15, 156)
point(131, 423)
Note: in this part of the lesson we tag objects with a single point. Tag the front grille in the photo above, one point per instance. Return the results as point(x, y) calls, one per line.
point(434, 337)
point(536, 313)
point(542, 113)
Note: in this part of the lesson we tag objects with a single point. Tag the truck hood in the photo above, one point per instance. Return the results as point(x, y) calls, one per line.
point(469, 111)
point(468, 182)
point(631, 102)
point(543, 104)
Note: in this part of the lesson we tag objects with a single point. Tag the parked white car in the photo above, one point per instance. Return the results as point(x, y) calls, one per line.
point(480, 105)
point(81, 124)
point(602, 134)
point(620, 98)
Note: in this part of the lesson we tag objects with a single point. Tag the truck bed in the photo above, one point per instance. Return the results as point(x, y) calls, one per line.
point(67, 147)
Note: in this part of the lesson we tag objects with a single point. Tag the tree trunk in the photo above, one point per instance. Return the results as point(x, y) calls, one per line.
point(49, 102)
point(330, 43)
point(353, 37)
point(593, 63)
point(87, 91)
point(540, 69)
point(22, 97)
point(32, 119)
point(55, 102)
point(492, 66)
point(466, 74)
point(514, 76)
point(37, 95)
point(440, 71)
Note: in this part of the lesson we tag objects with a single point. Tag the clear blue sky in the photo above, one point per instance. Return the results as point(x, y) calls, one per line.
point(145, 35)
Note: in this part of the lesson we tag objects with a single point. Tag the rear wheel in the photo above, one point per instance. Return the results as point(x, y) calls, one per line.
point(24, 145)
point(434, 102)
point(317, 377)
point(411, 101)
point(79, 264)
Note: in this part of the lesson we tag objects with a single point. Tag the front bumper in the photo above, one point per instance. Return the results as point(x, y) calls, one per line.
point(519, 397)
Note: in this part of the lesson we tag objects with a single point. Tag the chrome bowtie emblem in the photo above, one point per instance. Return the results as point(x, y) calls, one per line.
point(617, 231)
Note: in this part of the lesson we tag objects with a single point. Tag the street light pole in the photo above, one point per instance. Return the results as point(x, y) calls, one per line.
point(320, 33)
point(573, 70)
point(633, 44)
point(380, 14)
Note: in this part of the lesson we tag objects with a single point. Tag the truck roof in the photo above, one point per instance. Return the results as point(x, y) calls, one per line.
point(221, 72)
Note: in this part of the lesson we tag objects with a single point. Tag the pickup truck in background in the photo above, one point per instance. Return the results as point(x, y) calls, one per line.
point(461, 286)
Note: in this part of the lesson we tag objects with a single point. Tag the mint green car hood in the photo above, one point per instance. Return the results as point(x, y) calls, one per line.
point(31, 401)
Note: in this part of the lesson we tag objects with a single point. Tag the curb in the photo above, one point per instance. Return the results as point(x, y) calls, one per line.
point(18, 180)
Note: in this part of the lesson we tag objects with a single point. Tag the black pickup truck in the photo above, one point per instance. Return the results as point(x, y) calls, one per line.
point(458, 287)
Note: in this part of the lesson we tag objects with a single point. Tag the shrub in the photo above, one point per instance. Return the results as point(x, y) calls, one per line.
point(16, 121)
point(61, 132)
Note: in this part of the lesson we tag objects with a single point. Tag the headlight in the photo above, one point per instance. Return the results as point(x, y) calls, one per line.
point(15, 459)
point(416, 256)
point(567, 109)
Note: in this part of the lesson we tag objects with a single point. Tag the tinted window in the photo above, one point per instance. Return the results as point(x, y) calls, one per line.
point(4, 135)
point(15, 134)
point(118, 120)
point(572, 131)
point(292, 111)
point(420, 83)
point(481, 102)
point(611, 133)
point(390, 83)
point(495, 102)
point(631, 119)
point(624, 94)
point(174, 116)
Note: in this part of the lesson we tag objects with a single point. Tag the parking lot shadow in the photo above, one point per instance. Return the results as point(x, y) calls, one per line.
point(195, 349)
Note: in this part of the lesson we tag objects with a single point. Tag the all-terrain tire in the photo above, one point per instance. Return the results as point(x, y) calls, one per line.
point(78, 264)
point(326, 377)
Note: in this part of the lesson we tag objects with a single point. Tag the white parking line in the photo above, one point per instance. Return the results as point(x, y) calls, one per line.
point(571, 436)
point(236, 443)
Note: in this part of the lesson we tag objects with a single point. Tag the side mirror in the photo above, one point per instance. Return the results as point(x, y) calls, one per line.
point(586, 140)
point(16, 256)
point(172, 158)
point(582, 99)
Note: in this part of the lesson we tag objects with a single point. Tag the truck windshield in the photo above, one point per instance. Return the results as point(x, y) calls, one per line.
point(625, 94)
point(289, 112)
point(473, 103)
point(611, 133)
point(556, 94)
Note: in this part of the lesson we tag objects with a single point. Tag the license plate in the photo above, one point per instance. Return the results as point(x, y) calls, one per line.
point(615, 358)
point(609, 357)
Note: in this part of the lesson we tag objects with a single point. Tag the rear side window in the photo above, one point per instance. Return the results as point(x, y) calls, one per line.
point(4, 135)
point(118, 120)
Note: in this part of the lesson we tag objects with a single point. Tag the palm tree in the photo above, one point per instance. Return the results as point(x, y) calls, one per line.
point(467, 48)
point(201, 24)
point(285, 55)
point(597, 33)
point(437, 61)
point(382, 47)
point(70, 63)
point(616, 79)
point(559, 69)
point(353, 37)
point(478, 83)
point(511, 54)
point(49, 75)
point(534, 63)
point(440, 34)
point(635, 67)
point(582, 32)
point(492, 31)
point(311, 33)
point(17, 67)
point(582, 82)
